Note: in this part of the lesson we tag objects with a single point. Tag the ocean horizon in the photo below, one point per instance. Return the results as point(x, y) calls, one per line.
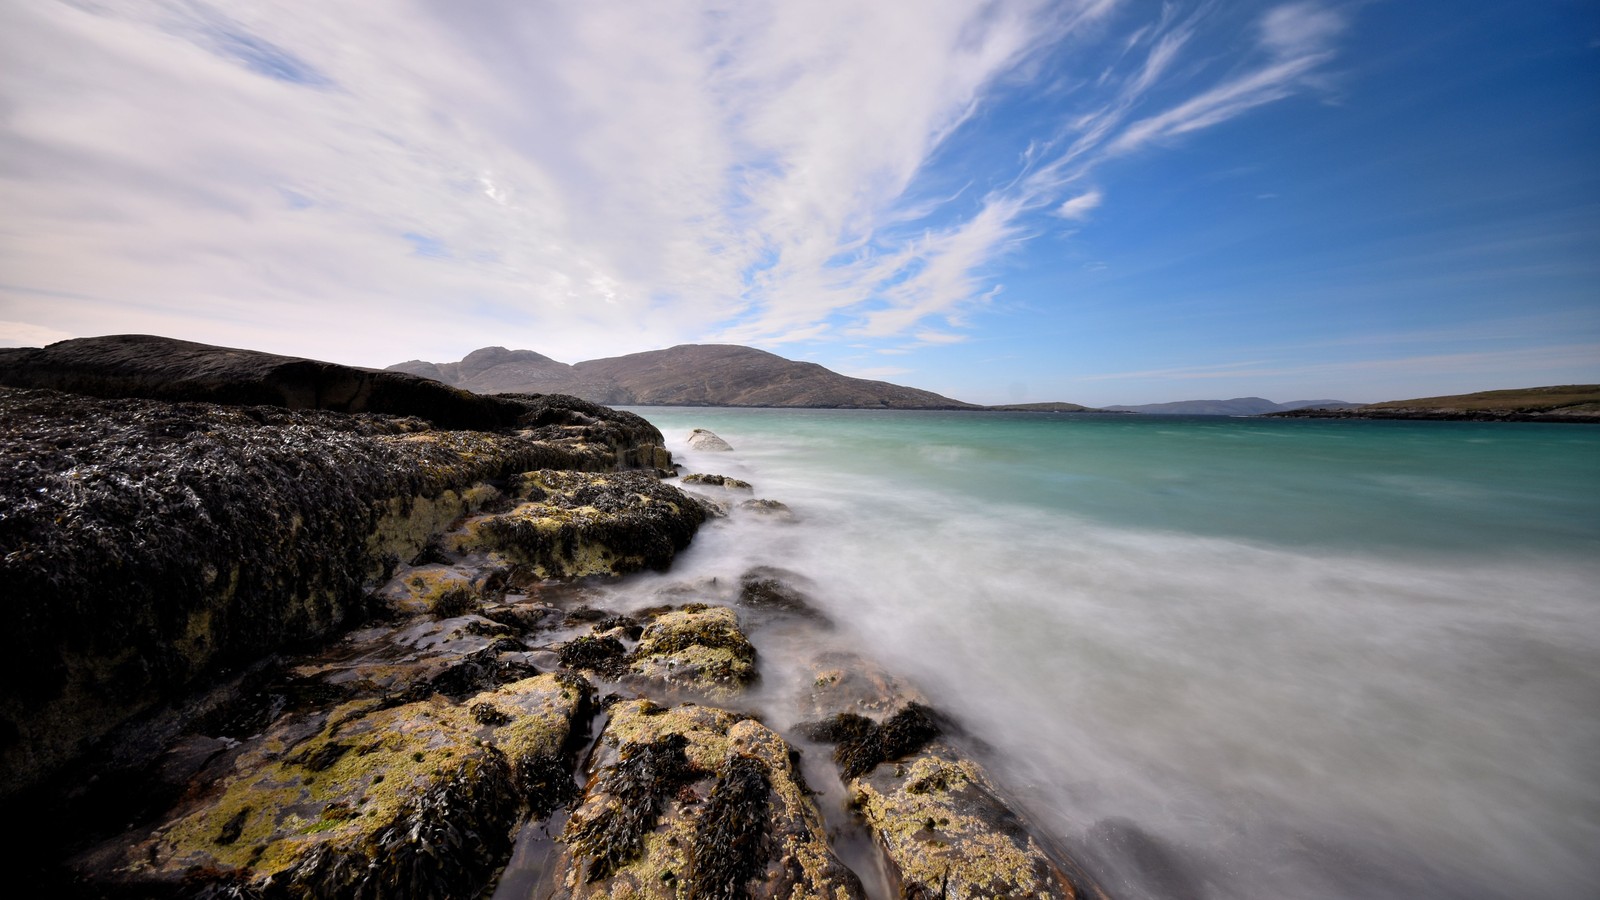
point(1213, 656)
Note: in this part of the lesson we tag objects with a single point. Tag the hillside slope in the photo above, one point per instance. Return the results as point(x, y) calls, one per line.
point(686, 375)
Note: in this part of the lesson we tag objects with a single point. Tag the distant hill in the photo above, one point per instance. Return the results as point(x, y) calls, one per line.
point(1238, 406)
point(1041, 407)
point(686, 375)
point(1557, 403)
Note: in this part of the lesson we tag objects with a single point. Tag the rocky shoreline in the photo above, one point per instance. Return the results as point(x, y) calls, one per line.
point(299, 650)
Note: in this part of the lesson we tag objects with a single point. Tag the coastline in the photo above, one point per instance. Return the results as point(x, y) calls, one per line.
point(481, 627)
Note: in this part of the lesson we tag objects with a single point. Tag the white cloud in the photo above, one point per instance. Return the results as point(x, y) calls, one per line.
point(24, 334)
point(370, 181)
point(1078, 208)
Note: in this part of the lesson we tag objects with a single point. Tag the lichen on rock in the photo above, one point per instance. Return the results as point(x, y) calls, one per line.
point(375, 800)
point(575, 524)
point(697, 647)
point(696, 802)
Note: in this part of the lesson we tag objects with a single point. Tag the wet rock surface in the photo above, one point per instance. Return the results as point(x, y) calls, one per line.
point(701, 439)
point(694, 801)
point(427, 631)
point(573, 524)
point(943, 825)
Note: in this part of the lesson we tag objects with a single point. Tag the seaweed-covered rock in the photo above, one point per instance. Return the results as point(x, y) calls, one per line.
point(775, 590)
point(721, 481)
point(696, 802)
point(701, 439)
point(629, 439)
point(416, 800)
point(698, 647)
point(947, 832)
point(146, 544)
point(945, 829)
point(577, 523)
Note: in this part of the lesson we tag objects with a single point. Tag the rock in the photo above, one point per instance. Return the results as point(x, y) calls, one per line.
point(697, 647)
point(415, 800)
point(696, 802)
point(439, 589)
point(701, 439)
point(947, 833)
point(943, 826)
point(722, 481)
point(143, 544)
point(575, 524)
point(772, 509)
point(772, 589)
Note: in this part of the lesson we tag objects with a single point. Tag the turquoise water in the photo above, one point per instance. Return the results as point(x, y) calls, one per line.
point(1221, 657)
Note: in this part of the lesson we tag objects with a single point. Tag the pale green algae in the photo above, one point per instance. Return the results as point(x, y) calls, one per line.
point(299, 808)
point(699, 647)
point(575, 524)
point(677, 855)
point(941, 823)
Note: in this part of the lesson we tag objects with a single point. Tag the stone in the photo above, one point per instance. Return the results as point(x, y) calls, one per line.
point(721, 481)
point(368, 800)
point(695, 801)
point(574, 524)
point(698, 648)
point(701, 439)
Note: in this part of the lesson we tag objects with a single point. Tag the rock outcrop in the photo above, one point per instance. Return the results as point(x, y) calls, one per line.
point(281, 652)
point(147, 543)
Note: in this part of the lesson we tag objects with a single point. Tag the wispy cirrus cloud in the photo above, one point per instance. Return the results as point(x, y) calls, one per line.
point(361, 179)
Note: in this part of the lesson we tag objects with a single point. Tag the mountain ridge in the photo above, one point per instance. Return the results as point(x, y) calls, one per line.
point(684, 375)
point(1238, 406)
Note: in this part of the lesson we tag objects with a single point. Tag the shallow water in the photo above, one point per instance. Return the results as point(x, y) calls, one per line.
point(1218, 657)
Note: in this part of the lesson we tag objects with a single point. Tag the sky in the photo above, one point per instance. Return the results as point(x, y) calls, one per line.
point(1093, 201)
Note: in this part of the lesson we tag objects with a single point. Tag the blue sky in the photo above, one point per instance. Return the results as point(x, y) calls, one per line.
point(1099, 201)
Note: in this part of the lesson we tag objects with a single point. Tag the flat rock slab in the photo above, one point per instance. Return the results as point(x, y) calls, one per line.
point(696, 802)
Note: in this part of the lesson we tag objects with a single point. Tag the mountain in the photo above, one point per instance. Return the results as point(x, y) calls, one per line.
point(1557, 403)
point(686, 375)
point(1041, 407)
point(1238, 406)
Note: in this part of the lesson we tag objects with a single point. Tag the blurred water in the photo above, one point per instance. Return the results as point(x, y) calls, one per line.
point(1222, 657)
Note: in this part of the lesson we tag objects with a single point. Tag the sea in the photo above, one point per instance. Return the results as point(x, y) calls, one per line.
point(1209, 656)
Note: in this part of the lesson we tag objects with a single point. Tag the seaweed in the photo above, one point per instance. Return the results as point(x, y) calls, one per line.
point(860, 744)
point(605, 656)
point(445, 844)
point(732, 836)
point(640, 784)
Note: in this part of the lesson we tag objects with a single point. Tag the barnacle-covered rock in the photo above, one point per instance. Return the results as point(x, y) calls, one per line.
point(416, 800)
point(577, 523)
point(721, 481)
point(697, 647)
point(945, 829)
point(696, 802)
point(145, 544)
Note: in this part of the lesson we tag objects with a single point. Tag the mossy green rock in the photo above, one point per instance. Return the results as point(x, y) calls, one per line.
point(699, 648)
point(693, 802)
point(948, 834)
point(411, 801)
point(575, 524)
